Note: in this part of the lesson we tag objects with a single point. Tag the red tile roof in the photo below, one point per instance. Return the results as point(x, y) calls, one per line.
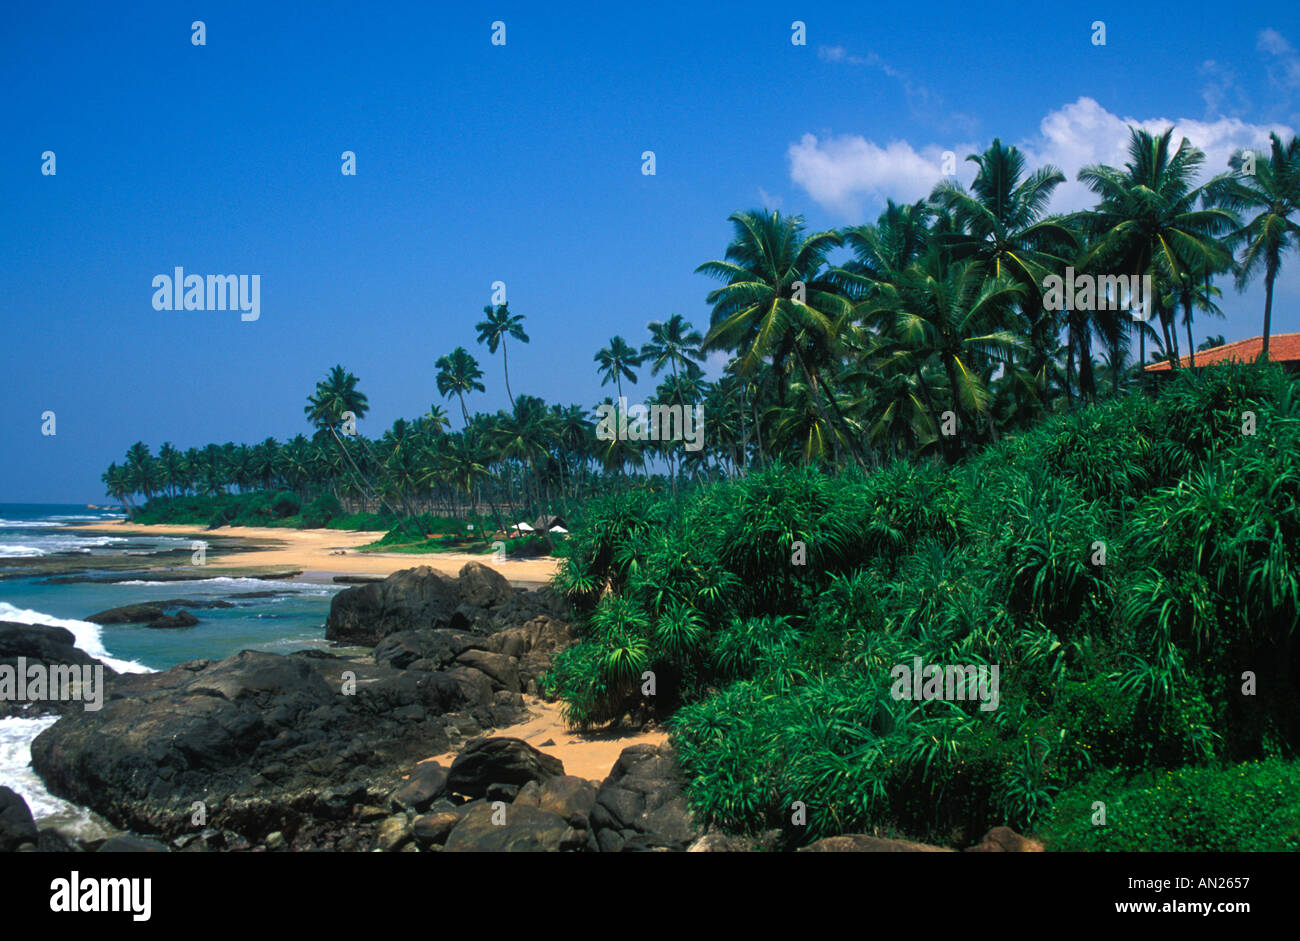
point(1282, 348)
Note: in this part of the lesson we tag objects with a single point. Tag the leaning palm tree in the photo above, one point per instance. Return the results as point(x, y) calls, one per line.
point(458, 373)
point(672, 341)
point(1272, 193)
point(328, 408)
point(493, 331)
point(1147, 221)
point(617, 361)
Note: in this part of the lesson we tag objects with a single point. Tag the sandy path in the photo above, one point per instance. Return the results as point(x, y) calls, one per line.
point(589, 755)
point(329, 551)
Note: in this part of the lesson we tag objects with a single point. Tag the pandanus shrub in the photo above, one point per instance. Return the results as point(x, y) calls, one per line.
point(1122, 566)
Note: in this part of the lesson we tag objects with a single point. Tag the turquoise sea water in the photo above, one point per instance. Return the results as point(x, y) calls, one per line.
point(291, 617)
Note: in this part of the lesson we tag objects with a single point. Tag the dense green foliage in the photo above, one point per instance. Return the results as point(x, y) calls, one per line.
point(258, 508)
point(1128, 660)
point(1248, 807)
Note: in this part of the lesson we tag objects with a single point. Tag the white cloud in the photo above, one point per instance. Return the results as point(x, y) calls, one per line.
point(844, 173)
point(849, 174)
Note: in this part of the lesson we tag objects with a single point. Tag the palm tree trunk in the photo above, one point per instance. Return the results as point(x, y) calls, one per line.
point(1268, 307)
point(505, 361)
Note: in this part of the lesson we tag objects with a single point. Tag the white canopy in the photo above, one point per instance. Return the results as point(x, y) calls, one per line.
point(524, 527)
point(558, 529)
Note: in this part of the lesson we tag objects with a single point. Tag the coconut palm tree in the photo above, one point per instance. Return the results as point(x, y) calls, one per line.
point(955, 316)
point(493, 331)
point(777, 295)
point(1148, 221)
point(673, 341)
point(1272, 194)
point(617, 361)
point(458, 373)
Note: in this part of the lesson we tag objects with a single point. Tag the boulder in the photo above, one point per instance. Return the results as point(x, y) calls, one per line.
point(16, 823)
point(433, 829)
point(508, 761)
point(1005, 840)
point(130, 843)
point(153, 614)
point(39, 644)
point(411, 599)
point(503, 671)
point(862, 843)
point(428, 782)
point(641, 806)
point(483, 587)
point(525, 830)
point(267, 742)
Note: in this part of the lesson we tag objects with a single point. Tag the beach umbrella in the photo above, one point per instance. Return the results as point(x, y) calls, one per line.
point(558, 529)
point(524, 527)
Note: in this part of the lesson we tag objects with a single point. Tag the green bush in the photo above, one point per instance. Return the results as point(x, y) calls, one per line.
point(1251, 807)
point(1121, 566)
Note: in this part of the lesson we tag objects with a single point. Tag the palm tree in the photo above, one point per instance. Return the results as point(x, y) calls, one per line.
point(458, 373)
point(952, 314)
point(616, 361)
point(499, 324)
point(774, 298)
point(672, 342)
point(1273, 194)
point(1001, 224)
point(1147, 221)
point(435, 420)
point(118, 486)
point(335, 396)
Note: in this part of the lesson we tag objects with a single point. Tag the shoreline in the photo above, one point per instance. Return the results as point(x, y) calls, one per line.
point(319, 554)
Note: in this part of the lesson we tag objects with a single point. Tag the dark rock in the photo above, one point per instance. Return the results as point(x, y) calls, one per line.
point(267, 742)
point(526, 830)
point(428, 782)
point(568, 796)
point(181, 618)
point(153, 614)
point(16, 824)
point(501, 670)
point(641, 802)
point(130, 843)
point(483, 587)
point(411, 599)
point(52, 841)
point(39, 644)
point(431, 829)
point(486, 761)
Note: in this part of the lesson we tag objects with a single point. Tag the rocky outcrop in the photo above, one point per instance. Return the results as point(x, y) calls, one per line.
point(263, 741)
point(478, 601)
point(39, 645)
point(483, 587)
point(640, 806)
point(508, 763)
point(16, 824)
point(153, 614)
point(533, 644)
point(411, 599)
point(513, 828)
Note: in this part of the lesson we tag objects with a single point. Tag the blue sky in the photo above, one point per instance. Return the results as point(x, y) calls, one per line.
point(519, 163)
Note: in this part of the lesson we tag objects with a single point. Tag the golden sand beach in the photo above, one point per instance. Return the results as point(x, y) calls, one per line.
point(328, 551)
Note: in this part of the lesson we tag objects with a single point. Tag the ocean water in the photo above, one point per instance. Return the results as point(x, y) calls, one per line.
point(286, 616)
